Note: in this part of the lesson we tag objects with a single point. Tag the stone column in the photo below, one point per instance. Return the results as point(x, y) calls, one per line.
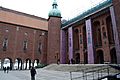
point(115, 32)
point(70, 43)
point(90, 46)
point(62, 46)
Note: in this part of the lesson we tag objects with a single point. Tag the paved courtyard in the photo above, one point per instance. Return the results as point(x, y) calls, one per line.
point(41, 75)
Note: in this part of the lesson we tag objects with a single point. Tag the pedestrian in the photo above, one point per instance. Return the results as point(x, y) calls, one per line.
point(58, 61)
point(4, 68)
point(8, 69)
point(33, 73)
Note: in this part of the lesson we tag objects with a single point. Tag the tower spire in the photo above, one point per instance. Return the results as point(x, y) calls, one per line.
point(54, 4)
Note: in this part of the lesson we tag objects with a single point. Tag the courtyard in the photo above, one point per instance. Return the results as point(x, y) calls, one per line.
point(41, 75)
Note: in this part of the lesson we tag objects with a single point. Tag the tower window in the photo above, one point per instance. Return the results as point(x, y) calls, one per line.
point(5, 44)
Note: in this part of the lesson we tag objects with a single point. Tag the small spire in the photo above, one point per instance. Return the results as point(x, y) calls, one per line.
point(54, 4)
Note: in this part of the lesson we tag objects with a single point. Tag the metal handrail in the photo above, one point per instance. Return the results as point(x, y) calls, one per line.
point(100, 71)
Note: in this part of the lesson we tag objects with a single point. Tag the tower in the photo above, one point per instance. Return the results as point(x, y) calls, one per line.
point(54, 24)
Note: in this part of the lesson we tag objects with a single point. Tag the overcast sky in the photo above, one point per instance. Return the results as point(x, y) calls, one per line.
point(41, 8)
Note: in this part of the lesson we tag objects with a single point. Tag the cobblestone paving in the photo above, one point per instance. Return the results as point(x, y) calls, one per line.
point(41, 75)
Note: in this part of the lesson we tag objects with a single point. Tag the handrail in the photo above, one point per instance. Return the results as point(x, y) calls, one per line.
point(96, 73)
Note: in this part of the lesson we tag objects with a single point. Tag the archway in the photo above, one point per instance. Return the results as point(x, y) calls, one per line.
point(36, 62)
point(27, 64)
point(8, 63)
point(99, 57)
point(113, 55)
point(18, 64)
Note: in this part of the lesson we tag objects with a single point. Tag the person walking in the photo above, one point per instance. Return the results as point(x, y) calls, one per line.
point(8, 69)
point(4, 68)
point(33, 73)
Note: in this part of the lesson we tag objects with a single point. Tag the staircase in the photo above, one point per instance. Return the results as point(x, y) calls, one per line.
point(85, 71)
point(71, 67)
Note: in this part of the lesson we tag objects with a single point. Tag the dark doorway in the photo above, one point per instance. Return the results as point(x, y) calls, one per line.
point(99, 57)
point(77, 58)
point(113, 56)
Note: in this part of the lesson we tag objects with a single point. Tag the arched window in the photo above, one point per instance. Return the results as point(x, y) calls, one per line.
point(5, 44)
point(97, 34)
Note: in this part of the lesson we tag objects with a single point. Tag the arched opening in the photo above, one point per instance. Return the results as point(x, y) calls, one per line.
point(99, 57)
point(76, 39)
point(36, 62)
point(97, 34)
point(8, 63)
point(27, 64)
point(77, 58)
point(18, 64)
point(109, 30)
point(113, 56)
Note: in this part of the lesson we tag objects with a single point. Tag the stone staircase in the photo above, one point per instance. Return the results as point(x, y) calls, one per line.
point(71, 67)
point(90, 71)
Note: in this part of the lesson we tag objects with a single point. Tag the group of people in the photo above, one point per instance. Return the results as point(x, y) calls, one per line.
point(6, 69)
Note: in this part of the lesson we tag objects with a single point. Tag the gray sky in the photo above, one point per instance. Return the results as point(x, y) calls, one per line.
point(41, 8)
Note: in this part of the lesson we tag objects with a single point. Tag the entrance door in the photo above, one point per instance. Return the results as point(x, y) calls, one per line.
point(113, 56)
point(77, 58)
point(99, 57)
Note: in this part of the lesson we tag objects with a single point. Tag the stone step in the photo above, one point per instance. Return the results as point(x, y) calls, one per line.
point(72, 67)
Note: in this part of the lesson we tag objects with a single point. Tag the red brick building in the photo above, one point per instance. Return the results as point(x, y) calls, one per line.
point(23, 38)
point(90, 38)
point(93, 36)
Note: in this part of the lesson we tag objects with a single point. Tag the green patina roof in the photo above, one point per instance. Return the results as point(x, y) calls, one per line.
point(88, 12)
point(55, 12)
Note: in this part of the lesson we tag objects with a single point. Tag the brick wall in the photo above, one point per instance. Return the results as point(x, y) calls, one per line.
point(16, 35)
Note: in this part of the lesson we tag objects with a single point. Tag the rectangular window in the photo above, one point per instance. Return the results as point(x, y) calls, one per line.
point(5, 44)
point(25, 46)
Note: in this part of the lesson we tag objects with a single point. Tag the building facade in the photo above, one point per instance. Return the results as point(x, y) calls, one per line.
point(23, 39)
point(91, 38)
